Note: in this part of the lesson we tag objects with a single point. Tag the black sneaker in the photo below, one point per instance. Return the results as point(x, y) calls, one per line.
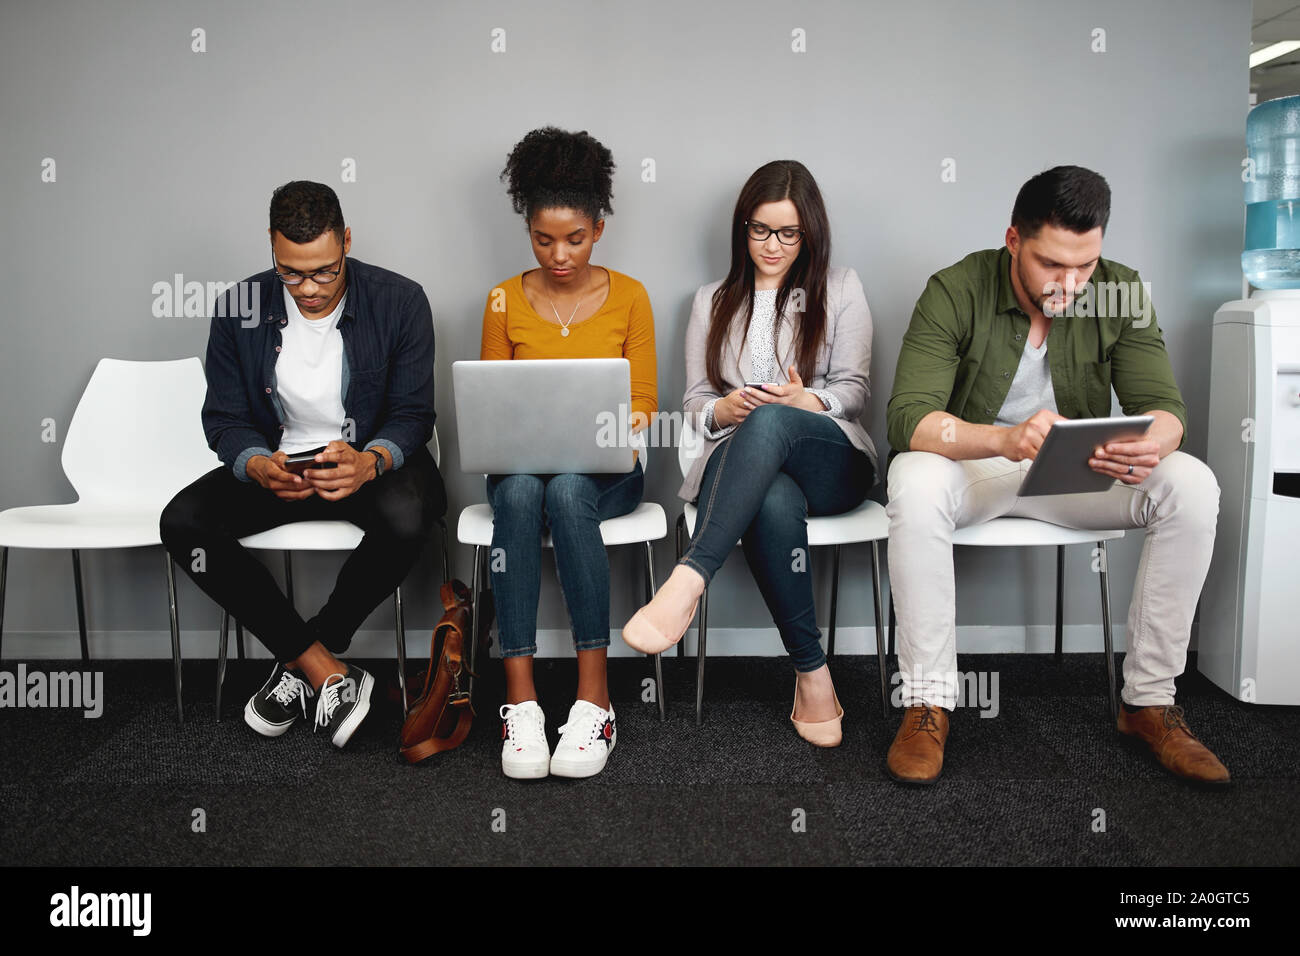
point(343, 703)
point(279, 702)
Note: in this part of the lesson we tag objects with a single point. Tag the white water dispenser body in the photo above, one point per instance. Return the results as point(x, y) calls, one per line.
point(1249, 637)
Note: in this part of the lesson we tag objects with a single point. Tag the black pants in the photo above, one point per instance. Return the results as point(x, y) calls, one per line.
point(397, 513)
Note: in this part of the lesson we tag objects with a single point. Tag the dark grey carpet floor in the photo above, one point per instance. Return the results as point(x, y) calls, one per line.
point(1024, 787)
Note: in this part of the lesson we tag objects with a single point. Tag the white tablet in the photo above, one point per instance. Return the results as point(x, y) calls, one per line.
point(1061, 466)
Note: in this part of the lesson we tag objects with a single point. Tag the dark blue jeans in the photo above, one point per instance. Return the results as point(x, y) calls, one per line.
point(780, 466)
point(571, 507)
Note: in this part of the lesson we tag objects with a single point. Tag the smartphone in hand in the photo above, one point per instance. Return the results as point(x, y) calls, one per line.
point(300, 461)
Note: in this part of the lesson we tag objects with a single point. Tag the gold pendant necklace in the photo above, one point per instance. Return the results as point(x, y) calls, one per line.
point(564, 326)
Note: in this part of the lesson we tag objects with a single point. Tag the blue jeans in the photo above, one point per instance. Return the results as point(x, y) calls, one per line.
point(572, 507)
point(780, 466)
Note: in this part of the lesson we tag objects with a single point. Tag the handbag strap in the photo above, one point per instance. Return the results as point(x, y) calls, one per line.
point(454, 594)
point(433, 745)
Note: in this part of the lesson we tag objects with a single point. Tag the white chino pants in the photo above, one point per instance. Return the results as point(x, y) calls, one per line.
point(930, 496)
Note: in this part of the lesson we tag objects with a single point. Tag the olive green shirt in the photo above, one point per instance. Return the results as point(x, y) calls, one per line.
point(967, 333)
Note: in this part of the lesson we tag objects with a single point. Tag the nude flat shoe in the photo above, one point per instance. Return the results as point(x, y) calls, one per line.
point(822, 733)
point(640, 635)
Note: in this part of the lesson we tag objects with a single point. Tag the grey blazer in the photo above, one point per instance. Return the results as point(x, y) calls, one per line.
point(843, 364)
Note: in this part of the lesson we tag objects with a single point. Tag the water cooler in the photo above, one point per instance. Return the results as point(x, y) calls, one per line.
point(1249, 637)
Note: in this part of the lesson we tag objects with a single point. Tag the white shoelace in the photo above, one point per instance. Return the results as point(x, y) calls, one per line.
point(594, 719)
point(288, 689)
point(524, 732)
point(329, 699)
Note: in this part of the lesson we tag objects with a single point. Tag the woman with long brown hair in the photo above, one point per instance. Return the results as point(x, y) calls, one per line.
point(777, 366)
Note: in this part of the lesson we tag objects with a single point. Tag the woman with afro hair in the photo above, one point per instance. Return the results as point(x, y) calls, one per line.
point(562, 185)
point(777, 361)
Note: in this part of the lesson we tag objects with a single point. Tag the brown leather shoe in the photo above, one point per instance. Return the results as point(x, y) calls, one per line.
point(916, 755)
point(1164, 730)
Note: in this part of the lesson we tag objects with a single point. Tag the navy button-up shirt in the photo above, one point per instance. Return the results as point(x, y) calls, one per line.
point(387, 385)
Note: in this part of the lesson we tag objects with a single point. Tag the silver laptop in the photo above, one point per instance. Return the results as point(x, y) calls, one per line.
point(544, 416)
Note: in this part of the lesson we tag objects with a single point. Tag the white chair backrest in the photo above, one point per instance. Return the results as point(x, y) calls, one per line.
point(136, 437)
point(434, 448)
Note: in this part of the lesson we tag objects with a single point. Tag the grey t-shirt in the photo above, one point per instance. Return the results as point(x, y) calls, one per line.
point(1031, 389)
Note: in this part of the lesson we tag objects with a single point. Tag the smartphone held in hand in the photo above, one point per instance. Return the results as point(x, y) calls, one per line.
point(300, 461)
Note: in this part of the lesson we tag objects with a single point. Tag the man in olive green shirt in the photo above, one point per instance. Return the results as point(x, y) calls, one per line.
point(1001, 345)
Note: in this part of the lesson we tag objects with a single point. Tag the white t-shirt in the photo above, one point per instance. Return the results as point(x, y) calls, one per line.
point(1031, 389)
point(309, 378)
point(762, 362)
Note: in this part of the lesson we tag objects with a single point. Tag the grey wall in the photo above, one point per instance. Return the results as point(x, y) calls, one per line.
point(166, 159)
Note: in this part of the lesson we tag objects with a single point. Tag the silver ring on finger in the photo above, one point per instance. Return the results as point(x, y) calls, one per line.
point(1130, 469)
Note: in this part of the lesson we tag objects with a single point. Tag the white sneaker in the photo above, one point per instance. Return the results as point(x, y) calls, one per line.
point(525, 754)
point(585, 741)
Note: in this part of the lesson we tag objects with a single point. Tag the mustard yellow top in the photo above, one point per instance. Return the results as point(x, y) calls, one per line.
point(623, 327)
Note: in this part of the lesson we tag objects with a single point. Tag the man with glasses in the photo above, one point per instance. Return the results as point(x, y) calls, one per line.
point(336, 357)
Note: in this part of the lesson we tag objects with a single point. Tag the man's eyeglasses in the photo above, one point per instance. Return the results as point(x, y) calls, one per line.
point(789, 236)
point(320, 277)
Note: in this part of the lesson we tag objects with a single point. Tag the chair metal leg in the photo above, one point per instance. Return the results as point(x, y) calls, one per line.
point(835, 597)
point(660, 691)
point(1060, 600)
point(176, 634)
point(239, 640)
point(223, 646)
point(288, 575)
point(893, 624)
point(881, 659)
point(475, 581)
point(4, 574)
point(81, 604)
point(401, 648)
point(700, 655)
point(446, 559)
point(1112, 696)
point(649, 572)
point(681, 549)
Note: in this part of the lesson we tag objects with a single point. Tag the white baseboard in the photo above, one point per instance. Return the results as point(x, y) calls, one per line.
point(723, 642)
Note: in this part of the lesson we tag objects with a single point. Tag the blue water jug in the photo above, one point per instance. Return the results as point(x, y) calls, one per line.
point(1271, 253)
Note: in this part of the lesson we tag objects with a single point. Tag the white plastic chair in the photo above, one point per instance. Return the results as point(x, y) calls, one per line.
point(866, 522)
point(1029, 533)
point(322, 536)
point(133, 407)
point(644, 524)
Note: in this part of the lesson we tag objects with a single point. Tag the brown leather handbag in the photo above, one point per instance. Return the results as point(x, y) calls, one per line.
point(442, 716)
